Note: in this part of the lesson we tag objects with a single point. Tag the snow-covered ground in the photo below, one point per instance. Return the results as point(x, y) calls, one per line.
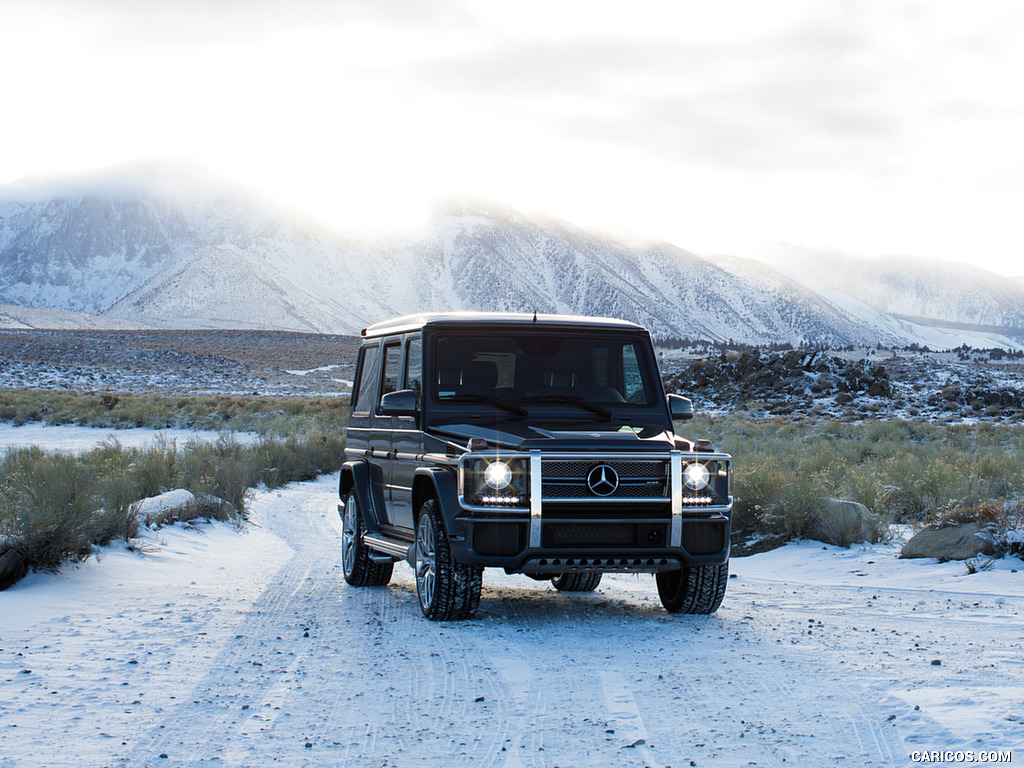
point(232, 647)
point(75, 439)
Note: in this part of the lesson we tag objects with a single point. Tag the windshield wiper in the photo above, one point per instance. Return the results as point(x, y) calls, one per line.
point(474, 397)
point(571, 400)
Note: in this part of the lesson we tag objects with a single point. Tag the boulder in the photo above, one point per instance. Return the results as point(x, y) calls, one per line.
point(12, 568)
point(178, 504)
point(843, 523)
point(959, 542)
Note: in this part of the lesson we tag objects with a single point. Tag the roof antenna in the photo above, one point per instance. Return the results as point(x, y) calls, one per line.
point(535, 315)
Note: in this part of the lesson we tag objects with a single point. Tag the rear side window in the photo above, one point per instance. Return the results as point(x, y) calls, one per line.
point(392, 354)
point(366, 379)
point(632, 376)
point(414, 367)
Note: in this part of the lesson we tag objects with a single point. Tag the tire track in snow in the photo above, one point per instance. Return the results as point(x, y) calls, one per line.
point(266, 649)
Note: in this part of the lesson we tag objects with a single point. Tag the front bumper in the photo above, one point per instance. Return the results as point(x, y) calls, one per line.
point(556, 531)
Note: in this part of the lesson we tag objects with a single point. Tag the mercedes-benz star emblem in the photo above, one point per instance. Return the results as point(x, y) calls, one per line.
point(602, 480)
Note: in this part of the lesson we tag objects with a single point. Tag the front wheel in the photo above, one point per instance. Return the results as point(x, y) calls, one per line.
point(447, 590)
point(696, 589)
point(576, 582)
point(359, 569)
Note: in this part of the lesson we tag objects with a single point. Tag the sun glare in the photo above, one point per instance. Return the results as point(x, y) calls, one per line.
point(716, 143)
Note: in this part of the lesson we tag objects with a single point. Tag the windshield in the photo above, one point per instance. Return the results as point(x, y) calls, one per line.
point(587, 373)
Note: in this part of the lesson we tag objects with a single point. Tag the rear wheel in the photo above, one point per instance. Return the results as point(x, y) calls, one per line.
point(447, 590)
point(697, 589)
point(359, 569)
point(576, 582)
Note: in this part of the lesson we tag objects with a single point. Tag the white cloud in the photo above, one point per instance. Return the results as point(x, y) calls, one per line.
point(869, 126)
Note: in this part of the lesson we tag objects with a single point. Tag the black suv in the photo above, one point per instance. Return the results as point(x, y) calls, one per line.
point(540, 444)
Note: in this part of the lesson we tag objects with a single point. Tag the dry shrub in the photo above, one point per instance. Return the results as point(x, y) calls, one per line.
point(986, 513)
point(47, 505)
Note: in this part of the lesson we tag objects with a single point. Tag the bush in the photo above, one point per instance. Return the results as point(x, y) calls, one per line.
point(47, 505)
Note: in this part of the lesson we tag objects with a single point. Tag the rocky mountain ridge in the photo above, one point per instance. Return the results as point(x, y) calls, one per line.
point(162, 255)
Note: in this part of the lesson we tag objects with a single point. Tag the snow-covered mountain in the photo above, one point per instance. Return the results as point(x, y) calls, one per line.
point(136, 247)
point(914, 288)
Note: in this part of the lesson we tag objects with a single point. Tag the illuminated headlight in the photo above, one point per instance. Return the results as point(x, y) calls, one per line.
point(498, 475)
point(494, 482)
point(696, 476)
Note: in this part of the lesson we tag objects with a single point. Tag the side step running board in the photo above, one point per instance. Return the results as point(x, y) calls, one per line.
point(393, 548)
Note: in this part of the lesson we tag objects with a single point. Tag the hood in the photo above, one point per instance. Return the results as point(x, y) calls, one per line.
point(586, 438)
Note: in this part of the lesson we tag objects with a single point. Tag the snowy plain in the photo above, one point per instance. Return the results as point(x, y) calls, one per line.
point(220, 645)
point(74, 439)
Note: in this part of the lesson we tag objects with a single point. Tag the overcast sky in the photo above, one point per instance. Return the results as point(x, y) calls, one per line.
point(872, 128)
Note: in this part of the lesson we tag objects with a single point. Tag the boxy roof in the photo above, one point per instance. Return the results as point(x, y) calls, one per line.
point(470, 319)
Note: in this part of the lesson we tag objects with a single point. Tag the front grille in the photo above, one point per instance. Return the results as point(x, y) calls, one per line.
point(499, 539)
point(637, 479)
point(703, 538)
point(630, 469)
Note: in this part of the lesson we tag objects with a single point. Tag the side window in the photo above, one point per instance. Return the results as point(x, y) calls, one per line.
point(392, 357)
point(633, 378)
point(414, 366)
point(601, 373)
point(366, 379)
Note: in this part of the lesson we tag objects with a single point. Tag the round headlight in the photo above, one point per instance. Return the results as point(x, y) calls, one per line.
point(498, 475)
point(696, 476)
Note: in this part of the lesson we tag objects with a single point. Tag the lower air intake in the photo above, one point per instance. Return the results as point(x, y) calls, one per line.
point(499, 539)
point(703, 538)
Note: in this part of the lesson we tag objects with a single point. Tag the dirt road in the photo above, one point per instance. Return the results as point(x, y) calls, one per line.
point(248, 649)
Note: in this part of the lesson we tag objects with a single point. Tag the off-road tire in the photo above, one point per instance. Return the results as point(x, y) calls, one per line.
point(697, 589)
point(580, 581)
point(446, 589)
point(358, 568)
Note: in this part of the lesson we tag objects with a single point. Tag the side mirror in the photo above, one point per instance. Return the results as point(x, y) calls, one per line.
point(400, 403)
point(680, 407)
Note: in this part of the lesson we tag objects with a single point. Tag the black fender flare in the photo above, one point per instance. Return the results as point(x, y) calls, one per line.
point(440, 484)
point(355, 477)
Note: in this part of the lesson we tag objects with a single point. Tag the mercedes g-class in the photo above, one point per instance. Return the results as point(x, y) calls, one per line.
point(540, 444)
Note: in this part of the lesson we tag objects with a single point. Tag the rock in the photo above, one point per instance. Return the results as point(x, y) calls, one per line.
point(178, 504)
point(12, 568)
point(843, 523)
point(958, 542)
